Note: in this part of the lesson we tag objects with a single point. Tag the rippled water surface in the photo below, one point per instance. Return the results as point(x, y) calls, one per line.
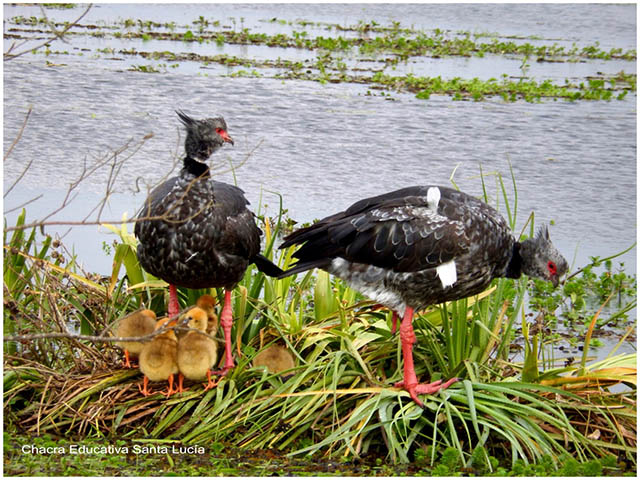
point(324, 146)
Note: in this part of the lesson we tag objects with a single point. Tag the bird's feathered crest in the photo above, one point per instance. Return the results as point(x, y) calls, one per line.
point(542, 235)
point(186, 120)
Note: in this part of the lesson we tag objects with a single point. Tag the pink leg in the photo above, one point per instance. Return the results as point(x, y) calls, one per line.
point(226, 320)
point(410, 382)
point(174, 307)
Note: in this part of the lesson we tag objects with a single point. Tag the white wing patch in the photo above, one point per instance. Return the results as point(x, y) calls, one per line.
point(433, 198)
point(447, 273)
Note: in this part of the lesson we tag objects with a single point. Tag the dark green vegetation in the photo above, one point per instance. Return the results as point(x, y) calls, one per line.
point(367, 53)
point(220, 459)
point(337, 412)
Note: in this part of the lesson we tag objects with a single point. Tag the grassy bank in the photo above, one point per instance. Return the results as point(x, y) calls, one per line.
point(543, 414)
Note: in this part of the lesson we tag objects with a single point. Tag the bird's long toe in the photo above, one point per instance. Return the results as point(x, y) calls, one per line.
point(211, 383)
point(425, 388)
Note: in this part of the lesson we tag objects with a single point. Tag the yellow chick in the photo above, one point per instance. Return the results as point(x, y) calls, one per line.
point(207, 303)
point(276, 358)
point(137, 324)
point(158, 359)
point(197, 353)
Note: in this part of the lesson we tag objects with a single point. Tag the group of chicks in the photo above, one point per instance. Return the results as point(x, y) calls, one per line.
point(189, 352)
point(186, 352)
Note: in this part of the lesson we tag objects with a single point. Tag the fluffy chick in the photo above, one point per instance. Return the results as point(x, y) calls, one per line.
point(158, 359)
point(197, 353)
point(207, 303)
point(137, 324)
point(276, 358)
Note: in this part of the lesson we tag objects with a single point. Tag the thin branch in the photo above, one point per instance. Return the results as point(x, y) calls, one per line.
point(116, 162)
point(24, 204)
point(56, 35)
point(11, 147)
point(116, 167)
point(94, 338)
point(88, 171)
point(17, 139)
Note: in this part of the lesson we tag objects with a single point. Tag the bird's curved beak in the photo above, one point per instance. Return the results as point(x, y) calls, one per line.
point(555, 280)
point(225, 136)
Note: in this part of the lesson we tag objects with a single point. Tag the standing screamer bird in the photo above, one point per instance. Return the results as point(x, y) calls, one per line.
point(195, 232)
point(420, 246)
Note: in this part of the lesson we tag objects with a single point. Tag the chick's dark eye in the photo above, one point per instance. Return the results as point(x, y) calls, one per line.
point(552, 268)
point(219, 130)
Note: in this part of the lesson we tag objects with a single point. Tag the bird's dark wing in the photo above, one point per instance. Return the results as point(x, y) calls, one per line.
point(397, 230)
point(208, 215)
point(152, 204)
point(240, 235)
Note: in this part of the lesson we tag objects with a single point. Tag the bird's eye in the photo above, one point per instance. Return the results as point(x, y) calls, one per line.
point(219, 131)
point(551, 266)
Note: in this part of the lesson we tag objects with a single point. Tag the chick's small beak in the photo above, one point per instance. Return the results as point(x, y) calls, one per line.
point(555, 280)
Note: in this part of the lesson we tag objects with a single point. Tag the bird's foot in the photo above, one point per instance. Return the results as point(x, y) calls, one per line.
point(127, 361)
point(211, 383)
point(223, 371)
point(424, 388)
point(145, 390)
point(181, 389)
point(170, 390)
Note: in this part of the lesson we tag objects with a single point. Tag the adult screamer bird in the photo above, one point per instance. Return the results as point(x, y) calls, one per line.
point(420, 246)
point(195, 232)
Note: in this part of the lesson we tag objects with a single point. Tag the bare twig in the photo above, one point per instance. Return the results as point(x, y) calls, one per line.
point(18, 137)
point(116, 162)
point(115, 169)
point(22, 205)
point(11, 147)
point(94, 338)
point(181, 327)
point(57, 35)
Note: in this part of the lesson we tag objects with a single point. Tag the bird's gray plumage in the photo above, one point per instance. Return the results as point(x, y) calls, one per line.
point(397, 248)
point(196, 232)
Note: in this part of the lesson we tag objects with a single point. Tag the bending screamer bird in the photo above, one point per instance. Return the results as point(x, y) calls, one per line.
point(420, 246)
point(195, 232)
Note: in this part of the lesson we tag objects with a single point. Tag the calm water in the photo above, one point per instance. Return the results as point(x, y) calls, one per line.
point(323, 147)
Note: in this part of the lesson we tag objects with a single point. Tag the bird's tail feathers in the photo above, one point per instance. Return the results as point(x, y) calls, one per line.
point(266, 266)
point(304, 266)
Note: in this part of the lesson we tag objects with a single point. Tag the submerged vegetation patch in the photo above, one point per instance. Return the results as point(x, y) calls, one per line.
point(394, 40)
point(366, 53)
